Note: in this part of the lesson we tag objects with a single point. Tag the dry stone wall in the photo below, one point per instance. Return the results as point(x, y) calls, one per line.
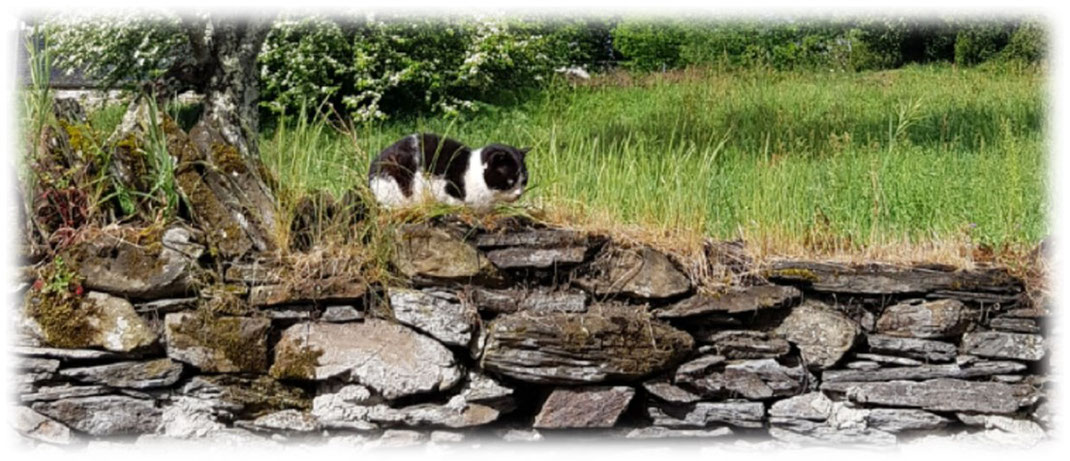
point(527, 333)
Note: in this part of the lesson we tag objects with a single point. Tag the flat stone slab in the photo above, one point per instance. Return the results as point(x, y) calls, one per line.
point(745, 344)
point(639, 272)
point(1004, 345)
point(218, 344)
point(112, 265)
point(538, 238)
point(310, 291)
point(668, 392)
point(31, 424)
point(537, 258)
point(703, 414)
point(62, 391)
point(952, 370)
point(564, 348)
point(822, 333)
point(918, 318)
point(938, 394)
point(734, 302)
point(584, 407)
point(389, 358)
point(753, 379)
point(921, 349)
point(99, 320)
point(440, 314)
point(105, 415)
point(889, 279)
point(342, 314)
point(438, 253)
point(133, 375)
point(659, 432)
point(67, 354)
point(536, 300)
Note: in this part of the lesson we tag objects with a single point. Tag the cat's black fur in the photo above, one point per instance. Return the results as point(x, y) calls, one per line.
point(447, 159)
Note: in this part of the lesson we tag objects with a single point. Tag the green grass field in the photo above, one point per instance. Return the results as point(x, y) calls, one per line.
point(808, 159)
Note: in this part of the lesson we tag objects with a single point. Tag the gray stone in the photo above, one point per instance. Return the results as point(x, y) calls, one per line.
point(659, 432)
point(536, 258)
point(938, 394)
point(104, 415)
point(186, 417)
point(218, 344)
point(32, 365)
point(521, 435)
point(389, 358)
point(438, 253)
point(238, 397)
point(341, 314)
point(447, 437)
point(62, 391)
point(112, 265)
point(1018, 325)
point(481, 401)
point(641, 272)
point(889, 360)
point(538, 300)
point(703, 414)
point(398, 438)
point(734, 302)
point(697, 368)
point(999, 344)
point(66, 354)
point(166, 306)
point(822, 435)
point(822, 333)
point(440, 314)
point(813, 406)
point(1028, 431)
point(104, 321)
point(34, 425)
point(183, 240)
point(863, 365)
point(745, 344)
point(890, 279)
point(897, 420)
point(922, 349)
point(951, 370)
point(918, 318)
point(134, 375)
point(563, 348)
point(538, 238)
point(584, 407)
point(340, 289)
point(285, 421)
point(669, 392)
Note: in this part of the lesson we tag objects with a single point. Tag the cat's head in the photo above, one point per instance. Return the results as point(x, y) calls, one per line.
point(504, 170)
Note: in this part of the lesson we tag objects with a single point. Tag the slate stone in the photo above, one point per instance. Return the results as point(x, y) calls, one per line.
point(309, 291)
point(31, 424)
point(734, 302)
point(889, 360)
point(878, 279)
point(659, 432)
point(536, 258)
point(104, 415)
point(282, 421)
point(341, 314)
point(922, 349)
point(668, 392)
point(918, 318)
point(103, 321)
point(1004, 345)
point(438, 253)
point(537, 300)
point(356, 352)
point(754, 380)
point(62, 391)
point(745, 344)
point(218, 344)
point(440, 314)
point(618, 343)
point(67, 354)
point(584, 407)
point(897, 420)
point(822, 333)
point(639, 272)
point(953, 370)
point(134, 375)
point(1017, 325)
point(938, 394)
point(538, 238)
point(703, 414)
point(115, 266)
point(166, 306)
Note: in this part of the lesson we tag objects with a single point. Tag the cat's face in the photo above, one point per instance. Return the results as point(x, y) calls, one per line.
point(505, 173)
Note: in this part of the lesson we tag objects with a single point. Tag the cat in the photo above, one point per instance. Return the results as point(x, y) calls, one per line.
point(425, 165)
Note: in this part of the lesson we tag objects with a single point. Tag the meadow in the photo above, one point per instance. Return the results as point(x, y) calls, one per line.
point(923, 162)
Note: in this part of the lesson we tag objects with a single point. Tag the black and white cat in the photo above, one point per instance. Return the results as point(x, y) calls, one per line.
point(426, 165)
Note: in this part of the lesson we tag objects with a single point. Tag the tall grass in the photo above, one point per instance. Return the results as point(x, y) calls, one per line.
point(823, 161)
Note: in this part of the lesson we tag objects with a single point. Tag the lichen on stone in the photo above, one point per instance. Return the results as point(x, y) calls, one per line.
point(295, 361)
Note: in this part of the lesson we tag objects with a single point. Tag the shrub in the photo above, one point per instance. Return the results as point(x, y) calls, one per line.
point(304, 61)
point(1028, 43)
point(977, 43)
point(649, 45)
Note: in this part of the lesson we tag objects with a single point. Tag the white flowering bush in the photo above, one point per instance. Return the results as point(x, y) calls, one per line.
point(305, 61)
point(117, 49)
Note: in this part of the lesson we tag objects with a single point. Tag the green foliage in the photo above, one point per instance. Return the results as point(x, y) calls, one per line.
point(304, 60)
point(1028, 43)
point(978, 43)
point(649, 45)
